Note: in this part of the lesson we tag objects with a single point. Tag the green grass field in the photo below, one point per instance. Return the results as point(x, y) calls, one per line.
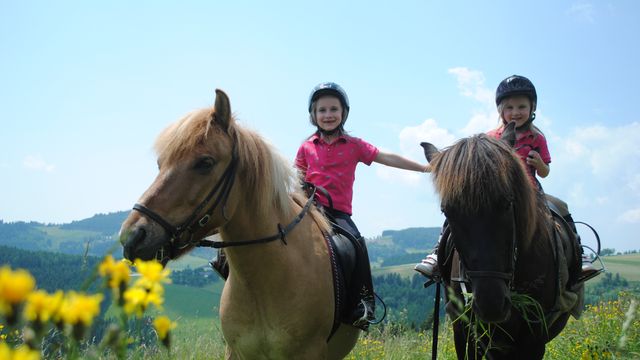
point(188, 261)
point(191, 302)
point(628, 266)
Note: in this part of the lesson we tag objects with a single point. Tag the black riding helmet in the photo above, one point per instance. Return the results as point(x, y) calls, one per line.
point(333, 89)
point(518, 85)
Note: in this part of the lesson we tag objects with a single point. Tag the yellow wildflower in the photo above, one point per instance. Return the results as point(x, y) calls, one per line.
point(163, 325)
point(21, 353)
point(14, 288)
point(5, 351)
point(152, 273)
point(42, 306)
point(118, 273)
point(24, 353)
point(137, 299)
point(79, 308)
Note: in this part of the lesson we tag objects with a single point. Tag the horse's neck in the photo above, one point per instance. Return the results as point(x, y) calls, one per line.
point(536, 268)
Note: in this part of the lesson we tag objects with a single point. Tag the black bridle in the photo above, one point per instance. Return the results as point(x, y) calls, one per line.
point(509, 275)
point(195, 222)
point(191, 225)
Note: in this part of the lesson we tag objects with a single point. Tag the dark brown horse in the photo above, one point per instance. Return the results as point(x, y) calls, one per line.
point(506, 245)
point(216, 176)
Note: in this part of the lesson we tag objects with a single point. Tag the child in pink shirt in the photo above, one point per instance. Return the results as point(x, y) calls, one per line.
point(516, 100)
point(328, 159)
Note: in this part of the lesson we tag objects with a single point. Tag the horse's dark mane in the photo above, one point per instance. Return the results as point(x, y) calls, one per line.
point(477, 172)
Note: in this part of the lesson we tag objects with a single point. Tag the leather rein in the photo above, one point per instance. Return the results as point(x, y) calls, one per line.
point(194, 222)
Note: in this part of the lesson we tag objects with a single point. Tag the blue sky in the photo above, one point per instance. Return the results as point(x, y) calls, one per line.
point(85, 87)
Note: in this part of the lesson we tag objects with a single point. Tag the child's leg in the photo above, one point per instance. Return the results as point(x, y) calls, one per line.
point(362, 281)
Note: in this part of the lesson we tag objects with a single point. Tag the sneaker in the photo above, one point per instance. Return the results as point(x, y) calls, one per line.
point(429, 266)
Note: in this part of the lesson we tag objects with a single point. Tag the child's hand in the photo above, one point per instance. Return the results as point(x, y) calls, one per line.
point(534, 159)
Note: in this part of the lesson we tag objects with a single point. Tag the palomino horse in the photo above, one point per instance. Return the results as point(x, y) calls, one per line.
point(506, 251)
point(278, 302)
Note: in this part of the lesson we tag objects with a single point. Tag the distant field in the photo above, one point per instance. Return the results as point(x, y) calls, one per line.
point(59, 235)
point(188, 261)
point(192, 302)
point(628, 266)
point(405, 270)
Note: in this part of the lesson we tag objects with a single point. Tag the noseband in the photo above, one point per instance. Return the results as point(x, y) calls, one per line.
point(195, 222)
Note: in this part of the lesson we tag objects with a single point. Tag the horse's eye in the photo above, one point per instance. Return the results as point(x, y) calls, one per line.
point(204, 164)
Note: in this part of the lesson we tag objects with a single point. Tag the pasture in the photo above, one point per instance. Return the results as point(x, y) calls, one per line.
point(628, 266)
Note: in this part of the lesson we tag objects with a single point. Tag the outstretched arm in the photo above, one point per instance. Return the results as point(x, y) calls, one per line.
point(400, 162)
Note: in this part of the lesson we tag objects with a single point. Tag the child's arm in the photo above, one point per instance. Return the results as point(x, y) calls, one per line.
point(400, 162)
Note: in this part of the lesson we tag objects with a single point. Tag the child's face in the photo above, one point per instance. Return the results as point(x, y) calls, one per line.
point(516, 108)
point(328, 112)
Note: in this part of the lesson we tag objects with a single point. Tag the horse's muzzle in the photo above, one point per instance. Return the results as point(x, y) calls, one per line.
point(134, 244)
point(491, 300)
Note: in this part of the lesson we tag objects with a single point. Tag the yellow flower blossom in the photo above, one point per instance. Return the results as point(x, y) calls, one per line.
point(42, 306)
point(137, 299)
point(163, 325)
point(21, 353)
point(5, 351)
point(152, 273)
point(117, 272)
point(24, 353)
point(79, 308)
point(15, 286)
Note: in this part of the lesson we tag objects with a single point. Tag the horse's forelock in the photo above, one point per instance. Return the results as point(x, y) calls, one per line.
point(477, 171)
point(183, 136)
point(268, 175)
point(464, 174)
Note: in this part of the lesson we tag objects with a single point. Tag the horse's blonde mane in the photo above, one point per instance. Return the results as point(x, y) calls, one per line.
point(477, 171)
point(268, 180)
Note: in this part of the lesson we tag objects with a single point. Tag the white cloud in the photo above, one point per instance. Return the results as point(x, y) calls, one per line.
point(428, 131)
point(471, 83)
point(36, 163)
point(631, 216)
point(479, 123)
point(607, 151)
point(583, 11)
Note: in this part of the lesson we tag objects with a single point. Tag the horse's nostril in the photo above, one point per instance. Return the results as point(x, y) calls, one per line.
point(132, 239)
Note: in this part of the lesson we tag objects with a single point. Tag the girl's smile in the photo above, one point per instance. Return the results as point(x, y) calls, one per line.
point(328, 112)
point(516, 108)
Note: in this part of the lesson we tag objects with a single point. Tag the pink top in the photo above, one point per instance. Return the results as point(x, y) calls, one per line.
point(333, 166)
point(525, 142)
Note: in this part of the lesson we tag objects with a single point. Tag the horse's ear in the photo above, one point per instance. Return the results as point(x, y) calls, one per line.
point(429, 150)
point(509, 134)
point(222, 110)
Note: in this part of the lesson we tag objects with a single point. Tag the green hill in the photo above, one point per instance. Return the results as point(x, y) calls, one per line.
point(106, 224)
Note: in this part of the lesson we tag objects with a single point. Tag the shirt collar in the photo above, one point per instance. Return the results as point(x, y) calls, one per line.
point(315, 138)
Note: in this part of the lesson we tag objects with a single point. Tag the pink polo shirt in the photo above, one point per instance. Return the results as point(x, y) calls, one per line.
point(333, 166)
point(525, 142)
